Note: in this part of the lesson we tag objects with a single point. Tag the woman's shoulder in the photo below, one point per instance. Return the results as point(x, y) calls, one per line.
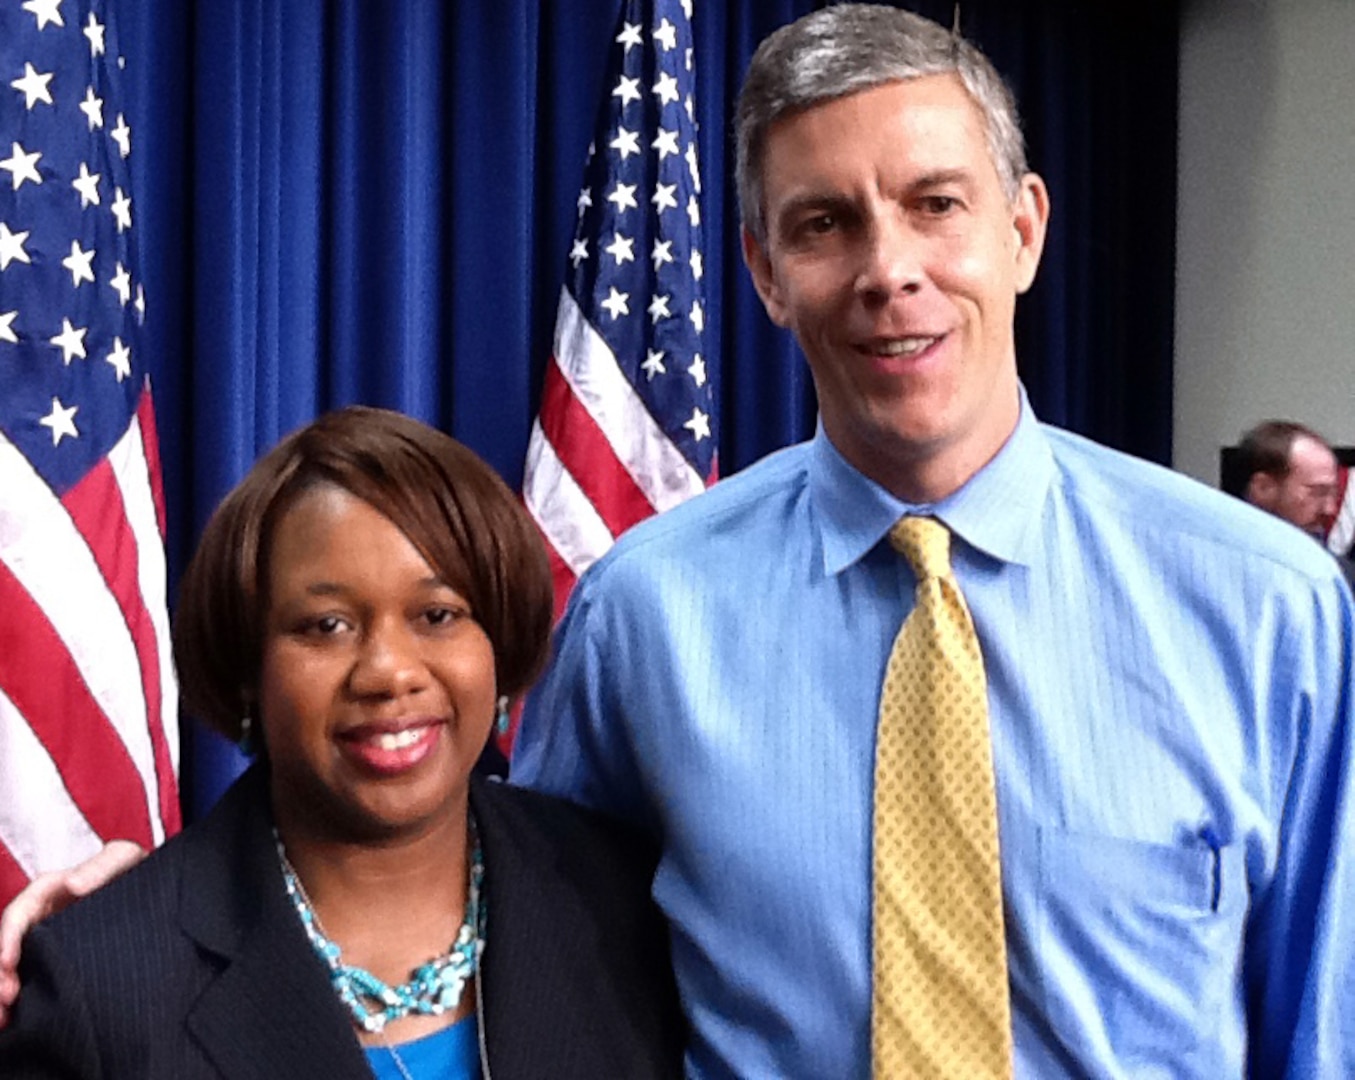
point(144, 902)
point(534, 819)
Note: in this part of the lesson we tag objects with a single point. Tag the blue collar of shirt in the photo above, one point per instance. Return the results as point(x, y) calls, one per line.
point(997, 510)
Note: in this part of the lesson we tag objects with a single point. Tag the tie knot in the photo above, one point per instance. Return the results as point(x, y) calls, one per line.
point(925, 543)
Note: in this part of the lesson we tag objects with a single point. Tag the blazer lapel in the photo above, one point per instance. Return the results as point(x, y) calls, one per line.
point(271, 1011)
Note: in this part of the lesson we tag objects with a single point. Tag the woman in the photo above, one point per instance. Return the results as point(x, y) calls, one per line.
point(361, 607)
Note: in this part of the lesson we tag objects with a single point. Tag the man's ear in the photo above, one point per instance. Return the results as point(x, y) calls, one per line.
point(1030, 221)
point(1261, 489)
point(764, 279)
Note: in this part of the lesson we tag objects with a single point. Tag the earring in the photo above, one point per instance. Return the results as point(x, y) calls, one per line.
point(501, 715)
point(245, 744)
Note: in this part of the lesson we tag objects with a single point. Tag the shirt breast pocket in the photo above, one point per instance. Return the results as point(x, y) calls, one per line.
point(1140, 949)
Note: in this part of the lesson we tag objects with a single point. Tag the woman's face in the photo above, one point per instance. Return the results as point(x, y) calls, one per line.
point(377, 686)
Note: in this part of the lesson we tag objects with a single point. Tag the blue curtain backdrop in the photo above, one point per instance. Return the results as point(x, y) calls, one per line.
point(347, 201)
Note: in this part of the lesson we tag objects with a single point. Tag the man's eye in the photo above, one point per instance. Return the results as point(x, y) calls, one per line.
point(939, 205)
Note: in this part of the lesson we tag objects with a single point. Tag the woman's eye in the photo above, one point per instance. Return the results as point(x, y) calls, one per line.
point(443, 616)
point(328, 624)
point(823, 223)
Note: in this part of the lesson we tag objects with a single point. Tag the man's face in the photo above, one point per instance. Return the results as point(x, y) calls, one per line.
point(1306, 494)
point(895, 257)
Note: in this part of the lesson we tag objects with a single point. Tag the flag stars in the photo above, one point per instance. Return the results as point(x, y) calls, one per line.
point(93, 108)
point(690, 105)
point(697, 265)
point(71, 341)
point(94, 31)
point(653, 364)
point(623, 197)
point(665, 142)
point(122, 209)
point(666, 89)
point(629, 36)
point(698, 425)
point(120, 359)
point(78, 263)
point(45, 11)
point(622, 249)
point(627, 90)
point(662, 253)
point(87, 184)
point(7, 326)
point(687, 9)
point(690, 155)
point(578, 252)
point(12, 246)
point(34, 87)
point(697, 370)
point(658, 308)
point(122, 135)
point(694, 211)
point(617, 303)
point(21, 165)
point(122, 283)
point(698, 317)
point(664, 197)
point(626, 143)
point(139, 304)
point(61, 421)
point(666, 35)
point(585, 200)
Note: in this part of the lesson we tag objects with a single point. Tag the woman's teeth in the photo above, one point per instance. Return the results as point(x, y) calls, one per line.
point(398, 740)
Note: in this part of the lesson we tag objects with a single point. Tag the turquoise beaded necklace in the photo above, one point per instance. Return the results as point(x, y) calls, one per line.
point(433, 988)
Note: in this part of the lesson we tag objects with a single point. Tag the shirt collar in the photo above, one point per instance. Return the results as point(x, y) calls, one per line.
point(997, 511)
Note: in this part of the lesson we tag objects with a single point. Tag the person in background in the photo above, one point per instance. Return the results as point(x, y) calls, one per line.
point(361, 607)
point(1290, 471)
point(1113, 835)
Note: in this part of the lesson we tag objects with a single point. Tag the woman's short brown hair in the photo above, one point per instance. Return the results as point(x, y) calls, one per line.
point(453, 508)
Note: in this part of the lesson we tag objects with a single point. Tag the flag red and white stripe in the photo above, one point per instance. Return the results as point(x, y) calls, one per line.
point(88, 702)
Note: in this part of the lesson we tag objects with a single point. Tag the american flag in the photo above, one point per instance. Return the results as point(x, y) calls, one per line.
point(88, 701)
point(627, 420)
point(1341, 536)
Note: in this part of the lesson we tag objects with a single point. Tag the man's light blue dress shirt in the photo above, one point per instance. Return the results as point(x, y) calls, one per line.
point(1170, 681)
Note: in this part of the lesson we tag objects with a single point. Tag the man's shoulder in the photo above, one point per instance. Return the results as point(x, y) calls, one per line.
point(1169, 509)
point(734, 509)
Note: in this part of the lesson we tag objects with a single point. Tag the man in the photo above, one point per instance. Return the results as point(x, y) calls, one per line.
point(1291, 472)
point(1169, 679)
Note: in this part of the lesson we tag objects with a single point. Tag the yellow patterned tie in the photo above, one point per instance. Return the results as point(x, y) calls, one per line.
point(940, 1006)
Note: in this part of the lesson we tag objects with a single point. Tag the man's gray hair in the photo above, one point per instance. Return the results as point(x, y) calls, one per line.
point(846, 48)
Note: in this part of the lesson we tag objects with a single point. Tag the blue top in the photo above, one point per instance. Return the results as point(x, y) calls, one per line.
point(450, 1054)
point(1170, 683)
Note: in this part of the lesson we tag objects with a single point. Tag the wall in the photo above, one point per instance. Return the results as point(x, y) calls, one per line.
point(1265, 312)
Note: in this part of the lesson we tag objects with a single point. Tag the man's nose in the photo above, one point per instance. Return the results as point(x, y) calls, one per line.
point(891, 260)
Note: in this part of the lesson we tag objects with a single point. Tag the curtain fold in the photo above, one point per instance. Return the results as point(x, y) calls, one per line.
point(343, 201)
